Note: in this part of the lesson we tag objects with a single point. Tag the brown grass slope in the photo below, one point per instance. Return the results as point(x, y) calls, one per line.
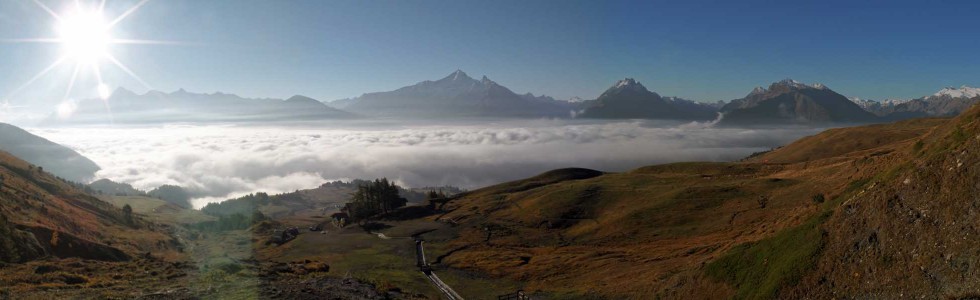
point(703, 230)
point(43, 216)
point(911, 231)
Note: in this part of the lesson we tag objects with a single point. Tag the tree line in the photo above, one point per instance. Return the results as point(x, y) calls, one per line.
point(372, 198)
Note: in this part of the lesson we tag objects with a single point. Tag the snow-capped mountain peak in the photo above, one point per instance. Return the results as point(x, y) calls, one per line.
point(961, 92)
point(628, 84)
point(800, 85)
point(458, 75)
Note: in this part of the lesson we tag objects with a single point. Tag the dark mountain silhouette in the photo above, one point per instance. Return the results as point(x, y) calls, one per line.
point(628, 99)
point(456, 95)
point(793, 102)
point(55, 158)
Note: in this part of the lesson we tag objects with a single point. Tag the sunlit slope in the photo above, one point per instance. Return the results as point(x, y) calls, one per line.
point(912, 230)
point(839, 142)
point(43, 216)
point(662, 230)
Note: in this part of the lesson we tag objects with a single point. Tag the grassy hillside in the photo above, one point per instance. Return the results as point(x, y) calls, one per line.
point(911, 231)
point(752, 229)
point(34, 201)
point(56, 241)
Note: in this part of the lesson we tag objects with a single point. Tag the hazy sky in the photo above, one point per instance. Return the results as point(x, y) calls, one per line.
point(716, 50)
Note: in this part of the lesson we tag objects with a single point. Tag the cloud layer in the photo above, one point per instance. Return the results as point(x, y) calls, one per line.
point(217, 162)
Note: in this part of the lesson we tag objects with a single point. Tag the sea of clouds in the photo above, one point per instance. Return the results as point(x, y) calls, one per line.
point(216, 162)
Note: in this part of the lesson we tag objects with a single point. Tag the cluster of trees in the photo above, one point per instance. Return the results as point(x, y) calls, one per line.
point(173, 194)
point(236, 221)
point(249, 203)
point(433, 194)
point(241, 205)
point(372, 198)
point(412, 195)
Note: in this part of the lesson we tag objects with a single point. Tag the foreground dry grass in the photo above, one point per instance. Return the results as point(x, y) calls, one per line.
point(673, 231)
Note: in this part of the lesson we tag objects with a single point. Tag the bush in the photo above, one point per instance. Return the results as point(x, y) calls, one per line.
point(818, 198)
point(918, 146)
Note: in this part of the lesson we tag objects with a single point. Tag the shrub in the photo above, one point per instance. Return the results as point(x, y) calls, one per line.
point(818, 198)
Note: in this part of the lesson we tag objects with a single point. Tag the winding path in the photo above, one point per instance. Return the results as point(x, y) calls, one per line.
point(424, 267)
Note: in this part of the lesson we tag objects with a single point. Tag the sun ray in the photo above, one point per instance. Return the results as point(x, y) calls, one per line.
point(71, 82)
point(103, 93)
point(39, 75)
point(98, 75)
point(33, 40)
point(128, 71)
point(127, 13)
point(145, 42)
point(45, 7)
point(85, 36)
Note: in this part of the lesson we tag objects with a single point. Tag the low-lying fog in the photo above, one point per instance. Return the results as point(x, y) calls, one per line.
point(216, 162)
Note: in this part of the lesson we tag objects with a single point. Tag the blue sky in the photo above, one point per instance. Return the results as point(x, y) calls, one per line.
point(702, 50)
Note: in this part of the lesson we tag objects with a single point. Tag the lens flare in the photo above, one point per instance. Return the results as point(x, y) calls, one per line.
point(104, 92)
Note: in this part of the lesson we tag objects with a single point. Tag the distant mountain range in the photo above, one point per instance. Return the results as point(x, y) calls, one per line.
point(793, 102)
point(460, 96)
point(948, 102)
point(784, 102)
point(456, 95)
point(125, 106)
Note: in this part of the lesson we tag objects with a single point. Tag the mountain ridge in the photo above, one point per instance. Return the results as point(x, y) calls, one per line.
point(629, 99)
point(54, 157)
point(456, 95)
point(792, 102)
point(125, 106)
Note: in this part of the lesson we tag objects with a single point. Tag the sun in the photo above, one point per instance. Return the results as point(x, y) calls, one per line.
point(84, 34)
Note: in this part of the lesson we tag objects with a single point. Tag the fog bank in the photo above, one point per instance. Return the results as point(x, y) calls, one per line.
point(216, 162)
